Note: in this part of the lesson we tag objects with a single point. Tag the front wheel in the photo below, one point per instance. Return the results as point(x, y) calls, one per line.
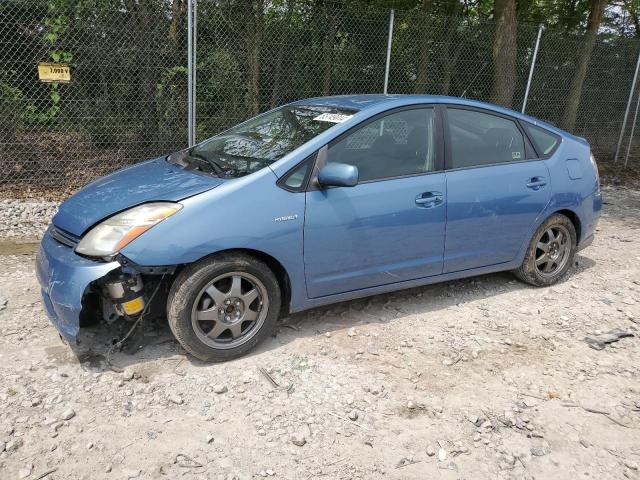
point(222, 307)
point(550, 253)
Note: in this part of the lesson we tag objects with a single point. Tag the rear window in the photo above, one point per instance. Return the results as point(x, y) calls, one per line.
point(544, 141)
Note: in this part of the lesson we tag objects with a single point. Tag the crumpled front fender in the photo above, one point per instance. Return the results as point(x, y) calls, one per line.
point(64, 278)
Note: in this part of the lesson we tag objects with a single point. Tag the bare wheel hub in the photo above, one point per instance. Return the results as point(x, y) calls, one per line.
point(232, 310)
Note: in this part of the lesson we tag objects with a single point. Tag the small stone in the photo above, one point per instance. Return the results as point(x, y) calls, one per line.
point(89, 445)
point(376, 389)
point(13, 444)
point(131, 473)
point(538, 451)
point(24, 472)
point(631, 465)
point(219, 389)
point(298, 439)
point(442, 454)
point(127, 375)
point(68, 414)
point(411, 405)
point(177, 399)
point(209, 438)
point(352, 332)
point(430, 450)
point(353, 415)
point(270, 472)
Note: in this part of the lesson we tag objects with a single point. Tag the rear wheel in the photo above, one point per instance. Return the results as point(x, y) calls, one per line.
point(221, 307)
point(550, 253)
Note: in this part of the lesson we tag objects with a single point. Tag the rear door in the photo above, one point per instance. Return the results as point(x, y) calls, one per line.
point(496, 189)
point(390, 226)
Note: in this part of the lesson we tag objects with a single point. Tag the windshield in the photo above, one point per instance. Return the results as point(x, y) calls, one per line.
point(259, 142)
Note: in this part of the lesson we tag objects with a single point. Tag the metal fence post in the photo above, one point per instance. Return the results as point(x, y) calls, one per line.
point(194, 96)
point(191, 128)
point(533, 64)
point(626, 112)
point(389, 41)
point(633, 129)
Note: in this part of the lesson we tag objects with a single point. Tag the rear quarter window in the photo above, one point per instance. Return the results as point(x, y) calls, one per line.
point(543, 140)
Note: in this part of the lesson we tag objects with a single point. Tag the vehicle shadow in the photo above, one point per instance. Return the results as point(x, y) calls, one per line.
point(153, 341)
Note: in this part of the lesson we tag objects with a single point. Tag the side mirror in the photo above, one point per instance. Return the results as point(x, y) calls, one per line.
point(338, 175)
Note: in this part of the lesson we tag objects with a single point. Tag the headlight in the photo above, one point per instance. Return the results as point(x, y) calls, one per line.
point(108, 237)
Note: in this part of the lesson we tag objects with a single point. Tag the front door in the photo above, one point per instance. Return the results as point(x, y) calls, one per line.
point(388, 228)
point(494, 194)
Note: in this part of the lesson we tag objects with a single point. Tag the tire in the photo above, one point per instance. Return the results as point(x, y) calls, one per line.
point(535, 269)
point(216, 317)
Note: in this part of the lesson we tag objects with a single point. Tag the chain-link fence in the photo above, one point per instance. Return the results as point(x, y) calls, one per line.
point(126, 99)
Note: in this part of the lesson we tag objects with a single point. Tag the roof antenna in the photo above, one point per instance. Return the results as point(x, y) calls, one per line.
point(464, 92)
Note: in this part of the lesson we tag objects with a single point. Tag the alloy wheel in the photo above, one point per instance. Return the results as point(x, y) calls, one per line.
point(552, 250)
point(230, 310)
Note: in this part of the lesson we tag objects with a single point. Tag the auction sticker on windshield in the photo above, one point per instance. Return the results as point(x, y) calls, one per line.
point(332, 117)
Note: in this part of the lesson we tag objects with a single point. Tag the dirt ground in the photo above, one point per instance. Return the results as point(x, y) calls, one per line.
point(479, 379)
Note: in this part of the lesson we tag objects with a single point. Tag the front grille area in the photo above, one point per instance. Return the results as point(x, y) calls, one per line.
point(64, 237)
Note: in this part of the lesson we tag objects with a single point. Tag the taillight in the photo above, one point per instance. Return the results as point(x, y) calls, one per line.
point(595, 170)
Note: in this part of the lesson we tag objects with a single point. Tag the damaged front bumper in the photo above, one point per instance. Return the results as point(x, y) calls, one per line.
point(64, 278)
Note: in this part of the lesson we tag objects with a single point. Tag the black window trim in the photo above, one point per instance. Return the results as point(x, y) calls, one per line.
point(321, 159)
point(524, 123)
point(530, 153)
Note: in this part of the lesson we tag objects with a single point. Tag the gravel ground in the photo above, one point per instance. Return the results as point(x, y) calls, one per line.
point(482, 378)
point(24, 219)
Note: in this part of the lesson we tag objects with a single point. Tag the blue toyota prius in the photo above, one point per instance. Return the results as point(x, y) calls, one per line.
point(319, 201)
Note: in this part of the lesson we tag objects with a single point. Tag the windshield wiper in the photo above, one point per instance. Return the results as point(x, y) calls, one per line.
point(217, 168)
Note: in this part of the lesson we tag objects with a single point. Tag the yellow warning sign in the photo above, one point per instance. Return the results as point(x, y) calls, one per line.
point(54, 72)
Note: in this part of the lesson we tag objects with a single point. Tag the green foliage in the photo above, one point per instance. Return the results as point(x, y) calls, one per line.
point(11, 100)
point(128, 93)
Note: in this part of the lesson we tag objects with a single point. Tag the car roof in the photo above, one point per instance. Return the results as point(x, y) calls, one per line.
point(369, 101)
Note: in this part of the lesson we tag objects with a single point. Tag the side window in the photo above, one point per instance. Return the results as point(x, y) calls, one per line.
point(398, 144)
point(296, 179)
point(544, 141)
point(481, 139)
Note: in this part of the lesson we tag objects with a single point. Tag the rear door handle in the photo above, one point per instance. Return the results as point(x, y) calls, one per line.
point(536, 183)
point(429, 199)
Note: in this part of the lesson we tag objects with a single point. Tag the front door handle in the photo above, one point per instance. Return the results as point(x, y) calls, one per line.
point(429, 199)
point(536, 183)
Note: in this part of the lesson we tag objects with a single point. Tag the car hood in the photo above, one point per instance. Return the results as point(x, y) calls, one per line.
point(153, 180)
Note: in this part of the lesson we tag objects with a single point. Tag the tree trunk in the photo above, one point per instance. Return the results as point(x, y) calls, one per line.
point(176, 15)
point(277, 73)
point(596, 11)
point(327, 49)
point(422, 71)
point(254, 46)
point(505, 50)
point(144, 15)
point(450, 60)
